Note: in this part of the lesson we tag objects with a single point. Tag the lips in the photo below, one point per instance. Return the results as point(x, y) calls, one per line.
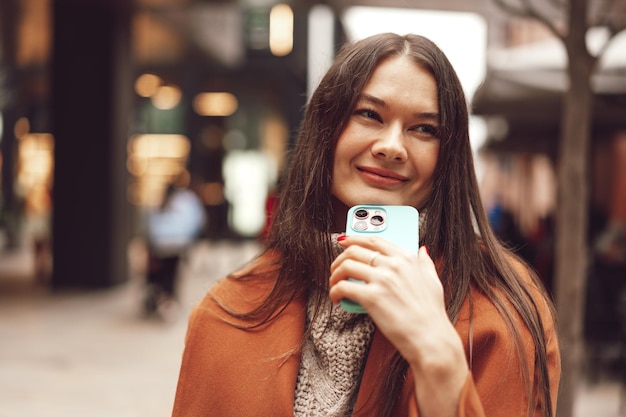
point(382, 176)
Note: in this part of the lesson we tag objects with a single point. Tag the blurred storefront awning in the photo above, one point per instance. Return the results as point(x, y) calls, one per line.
point(523, 107)
point(535, 96)
point(521, 97)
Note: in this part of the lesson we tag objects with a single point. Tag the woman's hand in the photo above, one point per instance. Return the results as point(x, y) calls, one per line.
point(404, 297)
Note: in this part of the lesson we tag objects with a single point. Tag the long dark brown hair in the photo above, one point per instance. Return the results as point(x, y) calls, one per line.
point(456, 229)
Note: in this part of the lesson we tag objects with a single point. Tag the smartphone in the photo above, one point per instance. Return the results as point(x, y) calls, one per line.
point(398, 224)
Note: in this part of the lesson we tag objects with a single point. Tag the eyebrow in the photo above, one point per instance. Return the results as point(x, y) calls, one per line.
point(381, 103)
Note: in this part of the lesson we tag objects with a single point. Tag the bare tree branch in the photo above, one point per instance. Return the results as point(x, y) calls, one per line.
point(616, 16)
point(534, 13)
point(559, 4)
point(511, 9)
point(527, 10)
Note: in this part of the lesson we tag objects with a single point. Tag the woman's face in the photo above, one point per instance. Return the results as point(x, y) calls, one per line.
point(388, 151)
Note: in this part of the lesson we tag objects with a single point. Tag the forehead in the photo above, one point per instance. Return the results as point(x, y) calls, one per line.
point(401, 78)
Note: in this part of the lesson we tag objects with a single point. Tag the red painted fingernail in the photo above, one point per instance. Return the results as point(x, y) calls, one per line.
point(426, 248)
point(341, 237)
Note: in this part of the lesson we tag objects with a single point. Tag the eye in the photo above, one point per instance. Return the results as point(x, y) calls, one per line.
point(368, 114)
point(427, 129)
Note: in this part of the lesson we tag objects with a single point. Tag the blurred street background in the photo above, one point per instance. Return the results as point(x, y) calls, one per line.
point(108, 108)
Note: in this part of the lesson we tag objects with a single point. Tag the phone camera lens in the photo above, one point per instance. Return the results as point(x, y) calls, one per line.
point(360, 225)
point(361, 214)
point(377, 220)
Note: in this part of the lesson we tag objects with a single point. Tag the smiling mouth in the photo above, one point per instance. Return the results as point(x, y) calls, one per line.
point(382, 176)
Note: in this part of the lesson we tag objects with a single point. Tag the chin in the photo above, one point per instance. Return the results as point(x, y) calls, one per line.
point(375, 197)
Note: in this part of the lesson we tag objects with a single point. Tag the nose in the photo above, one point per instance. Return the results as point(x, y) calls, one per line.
point(390, 145)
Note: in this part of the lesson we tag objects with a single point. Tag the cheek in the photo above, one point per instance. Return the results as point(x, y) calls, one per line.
point(430, 167)
point(344, 152)
point(426, 161)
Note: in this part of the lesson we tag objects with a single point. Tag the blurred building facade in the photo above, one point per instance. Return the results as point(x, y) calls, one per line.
point(104, 102)
point(113, 98)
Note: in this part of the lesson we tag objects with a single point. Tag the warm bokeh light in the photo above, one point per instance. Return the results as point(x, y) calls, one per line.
point(33, 32)
point(159, 146)
point(35, 164)
point(156, 41)
point(281, 30)
point(21, 128)
point(167, 97)
point(212, 193)
point(215, 104)
point(274, 137)
point(154, 160)
point(147, 85)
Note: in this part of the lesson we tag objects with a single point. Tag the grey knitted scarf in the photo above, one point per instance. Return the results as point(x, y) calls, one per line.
point(332, 360)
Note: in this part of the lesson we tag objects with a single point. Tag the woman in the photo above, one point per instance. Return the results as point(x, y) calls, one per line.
point(463, 329)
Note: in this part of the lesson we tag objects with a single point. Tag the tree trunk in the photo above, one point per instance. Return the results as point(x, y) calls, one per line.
point(572, 214)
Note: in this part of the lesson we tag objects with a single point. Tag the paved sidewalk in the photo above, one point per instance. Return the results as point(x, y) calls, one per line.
point(92, 354)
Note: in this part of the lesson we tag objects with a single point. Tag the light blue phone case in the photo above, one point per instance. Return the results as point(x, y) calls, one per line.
point(401, 226)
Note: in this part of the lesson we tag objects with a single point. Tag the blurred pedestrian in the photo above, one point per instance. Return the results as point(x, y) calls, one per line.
point(610, 246)
point(171, 228)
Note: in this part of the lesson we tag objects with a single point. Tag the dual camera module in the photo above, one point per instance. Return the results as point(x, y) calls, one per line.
point(369, 219)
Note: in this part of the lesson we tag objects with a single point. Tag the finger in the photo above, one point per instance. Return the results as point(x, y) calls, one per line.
point(353, 290)
point(373, 257)
point(377, 244)
point(373, 243)
point(359, 254)
point(351, 268)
